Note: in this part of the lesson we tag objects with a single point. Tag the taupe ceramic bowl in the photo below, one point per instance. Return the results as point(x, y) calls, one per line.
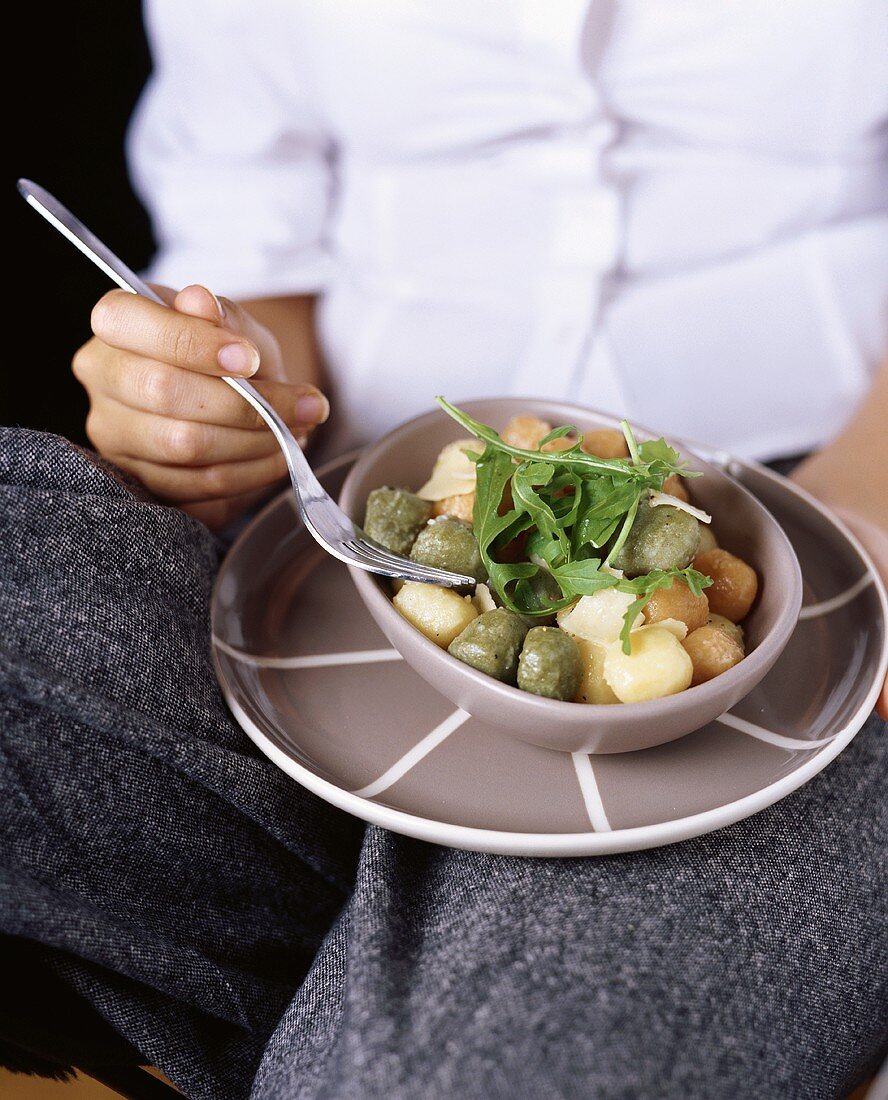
point(404, 458)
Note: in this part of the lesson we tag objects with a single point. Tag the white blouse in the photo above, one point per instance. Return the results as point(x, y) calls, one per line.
point(674, 211)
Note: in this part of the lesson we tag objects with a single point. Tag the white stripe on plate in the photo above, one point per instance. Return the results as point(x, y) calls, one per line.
point(761, 734)
point(311, 660)
point(410, 759)
point(814, 610)
point(589, 788)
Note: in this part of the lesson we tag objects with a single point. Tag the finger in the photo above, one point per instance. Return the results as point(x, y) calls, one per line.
point(115, 429)
point(183, 484)
point(165, 292)
point(882, 703)
point(200, 301)
point(135, 324)
point(169, 391)
point(218, 514)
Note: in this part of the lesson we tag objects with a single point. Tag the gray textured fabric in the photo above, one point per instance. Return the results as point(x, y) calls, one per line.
point(175, 878)
point(195, 896)
point(750, 963)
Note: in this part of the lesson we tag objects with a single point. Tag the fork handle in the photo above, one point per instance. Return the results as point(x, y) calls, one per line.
point(60, 217)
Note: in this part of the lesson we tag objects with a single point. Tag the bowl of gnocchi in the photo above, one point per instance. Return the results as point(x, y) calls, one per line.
point(626, 592)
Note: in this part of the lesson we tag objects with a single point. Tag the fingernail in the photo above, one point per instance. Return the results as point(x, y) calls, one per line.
point(220, 309)
point(312, 408)
point(239, 359)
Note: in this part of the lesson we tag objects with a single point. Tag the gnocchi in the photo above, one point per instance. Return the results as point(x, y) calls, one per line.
point(461, 506)
point(712, 651)
point(657, 665)
point(491, 643)
point(734, 583)
point(734, 630)
point(633, 620)
point(525, 432)
point(449, 544)
point(439, 613)
point(593, 688)
point(663, 537)
point(549, 663)
point(394, 518)
point(605, 443)
point(678, 602)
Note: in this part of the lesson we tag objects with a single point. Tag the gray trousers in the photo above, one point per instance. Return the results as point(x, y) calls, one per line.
point(249, 939)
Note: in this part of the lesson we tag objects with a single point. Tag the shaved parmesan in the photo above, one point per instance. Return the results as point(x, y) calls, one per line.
point(674, 626)
point(483, 599)
point(599, 617)
point(454, 472)
point(666, 498)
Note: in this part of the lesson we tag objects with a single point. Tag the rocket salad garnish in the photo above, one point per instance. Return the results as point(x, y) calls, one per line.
point(576, 511)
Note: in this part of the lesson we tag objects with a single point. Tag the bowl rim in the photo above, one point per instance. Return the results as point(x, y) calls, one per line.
point(763, 655)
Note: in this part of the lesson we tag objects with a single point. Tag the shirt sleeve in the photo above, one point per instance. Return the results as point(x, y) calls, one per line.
point(228, 153)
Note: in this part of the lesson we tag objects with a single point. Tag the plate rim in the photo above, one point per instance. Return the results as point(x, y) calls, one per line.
point(592, 843)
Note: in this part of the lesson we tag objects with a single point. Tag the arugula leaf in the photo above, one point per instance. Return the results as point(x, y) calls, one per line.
point(575, 457)
point(603, 502)
point(494, 525)
point(568, 505)
point(658, 450)
point(516, 598)
point(525, 480)
point(494, 472)
point(541, 549)
point(559, 433)
point(626, 527)
point(634, 453)
point(583, 578)
point(651, 473)
point(658, 454)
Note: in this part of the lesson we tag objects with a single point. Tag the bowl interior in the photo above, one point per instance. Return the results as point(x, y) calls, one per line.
point(405, 457)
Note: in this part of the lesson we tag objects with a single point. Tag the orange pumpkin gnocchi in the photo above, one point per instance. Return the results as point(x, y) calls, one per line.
point(712, 652)
point(734, 583)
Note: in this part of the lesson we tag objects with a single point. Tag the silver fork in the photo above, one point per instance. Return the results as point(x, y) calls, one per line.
point(322, 516)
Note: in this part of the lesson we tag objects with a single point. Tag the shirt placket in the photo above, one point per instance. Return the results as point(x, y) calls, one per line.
point(564, 354)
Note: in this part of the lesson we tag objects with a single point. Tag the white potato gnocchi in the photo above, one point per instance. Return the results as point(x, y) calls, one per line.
point(658, 665)
point(593, 686)
point(439, 613)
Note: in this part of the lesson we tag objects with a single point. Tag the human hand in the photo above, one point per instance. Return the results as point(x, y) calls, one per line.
point(159, 410)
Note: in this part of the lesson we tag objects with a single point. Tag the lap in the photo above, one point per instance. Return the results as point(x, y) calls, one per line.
point(745, 963)
point(186, 887)
point(173, 875)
